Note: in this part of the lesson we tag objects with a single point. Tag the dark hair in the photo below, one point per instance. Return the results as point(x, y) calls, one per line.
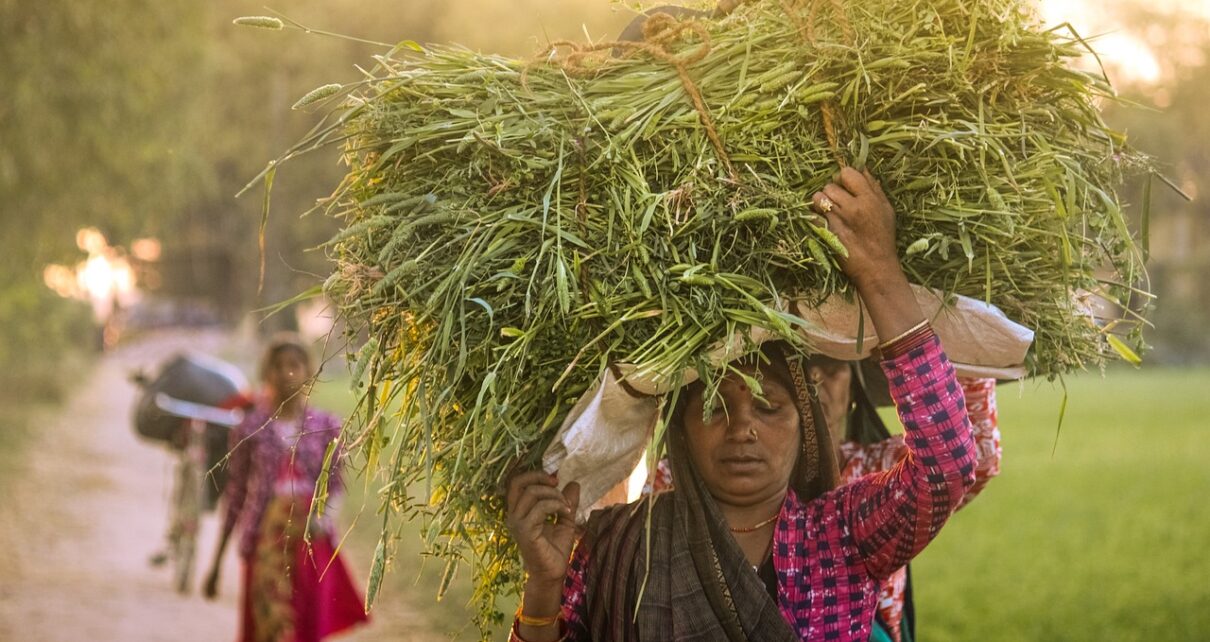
point(280, 344)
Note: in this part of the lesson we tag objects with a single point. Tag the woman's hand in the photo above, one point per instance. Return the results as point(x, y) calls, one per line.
point(545, 547)
point(210, 588)
point(859, 213)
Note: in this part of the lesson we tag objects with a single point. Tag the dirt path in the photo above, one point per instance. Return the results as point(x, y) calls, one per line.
point(87, 507)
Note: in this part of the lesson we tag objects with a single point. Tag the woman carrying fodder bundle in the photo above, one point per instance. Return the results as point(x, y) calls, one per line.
point(757, 542)
point(861, 441)
point(847, 396)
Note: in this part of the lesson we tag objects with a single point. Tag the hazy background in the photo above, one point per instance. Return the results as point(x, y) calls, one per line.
point(127, 126)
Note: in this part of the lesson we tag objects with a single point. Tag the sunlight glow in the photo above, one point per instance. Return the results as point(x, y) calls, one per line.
point(1127, 56)
point(105, 279)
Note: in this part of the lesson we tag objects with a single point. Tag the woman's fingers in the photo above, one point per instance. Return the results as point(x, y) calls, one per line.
point(571, 494)
point(543, 509)
point(875, 184)
point(532, 496)
point(839, 195)
point(854, 181)
point(827, 205)
point(518, 484)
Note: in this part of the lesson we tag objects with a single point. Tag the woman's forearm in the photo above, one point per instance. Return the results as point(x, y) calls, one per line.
point(980, 395)
point(890, 302)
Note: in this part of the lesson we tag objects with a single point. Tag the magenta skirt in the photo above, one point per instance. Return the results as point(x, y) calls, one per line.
point(309, 599)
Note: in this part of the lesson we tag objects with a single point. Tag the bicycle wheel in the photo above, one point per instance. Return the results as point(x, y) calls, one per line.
point(187, 511)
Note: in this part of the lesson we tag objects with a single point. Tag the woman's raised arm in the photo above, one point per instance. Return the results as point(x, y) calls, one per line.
point(893, 515)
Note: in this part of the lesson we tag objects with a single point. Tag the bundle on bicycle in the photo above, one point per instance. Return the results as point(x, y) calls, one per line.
point(190, 406)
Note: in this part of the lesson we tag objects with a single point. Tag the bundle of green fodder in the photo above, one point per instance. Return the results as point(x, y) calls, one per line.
point(514, 226)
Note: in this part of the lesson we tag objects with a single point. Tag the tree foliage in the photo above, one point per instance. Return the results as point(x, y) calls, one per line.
point(145, 118)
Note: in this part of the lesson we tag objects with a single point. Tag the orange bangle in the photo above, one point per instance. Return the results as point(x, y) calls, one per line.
point(538, 622)
point(903, 345)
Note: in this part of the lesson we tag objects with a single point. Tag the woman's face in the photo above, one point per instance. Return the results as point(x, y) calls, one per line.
point(287, 374)
point(746, 451)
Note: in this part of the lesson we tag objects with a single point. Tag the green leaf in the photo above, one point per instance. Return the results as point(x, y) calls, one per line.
point(1145, 224)
point(320, 502)
point(483, 304)
point(364, 356)
point(1123, 350)
point(264, 223)
point(377, 568)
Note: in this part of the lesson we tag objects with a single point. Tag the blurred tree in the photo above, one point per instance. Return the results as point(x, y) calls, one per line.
point(144, 118)
point(1175, 131)
point(241, 118)
point(89, 134)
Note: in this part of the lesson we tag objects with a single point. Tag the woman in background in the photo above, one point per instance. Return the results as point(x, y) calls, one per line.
point(295, 586)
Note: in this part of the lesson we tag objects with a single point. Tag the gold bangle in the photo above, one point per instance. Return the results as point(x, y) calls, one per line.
point(538, 622)
point(909, 332)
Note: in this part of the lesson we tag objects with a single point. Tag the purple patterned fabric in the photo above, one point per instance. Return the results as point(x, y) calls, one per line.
point(259, 445)
point(831, 554)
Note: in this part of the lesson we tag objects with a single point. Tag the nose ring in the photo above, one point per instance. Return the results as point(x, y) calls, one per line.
point(752, 433)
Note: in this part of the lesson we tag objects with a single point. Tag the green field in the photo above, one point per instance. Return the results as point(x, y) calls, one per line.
point(1099, 539)
point(1104, 539)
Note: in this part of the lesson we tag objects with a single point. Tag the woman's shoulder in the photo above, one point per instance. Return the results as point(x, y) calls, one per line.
point(322, 420)
point(255, 418)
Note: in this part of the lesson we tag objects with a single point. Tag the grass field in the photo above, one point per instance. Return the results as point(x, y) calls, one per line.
point(1103, 540)
point(1099, 538)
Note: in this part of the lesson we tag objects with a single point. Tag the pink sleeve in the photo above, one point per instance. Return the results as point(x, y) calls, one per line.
point(892, 515)
point(238, 467)
point(859, 460)
point(980, 397)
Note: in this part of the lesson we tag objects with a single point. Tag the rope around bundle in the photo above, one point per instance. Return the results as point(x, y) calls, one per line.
point(661, 30)
point(807, 29)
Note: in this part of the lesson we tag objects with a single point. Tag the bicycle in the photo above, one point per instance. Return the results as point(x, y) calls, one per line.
point(196, 429)
point(189, 488)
